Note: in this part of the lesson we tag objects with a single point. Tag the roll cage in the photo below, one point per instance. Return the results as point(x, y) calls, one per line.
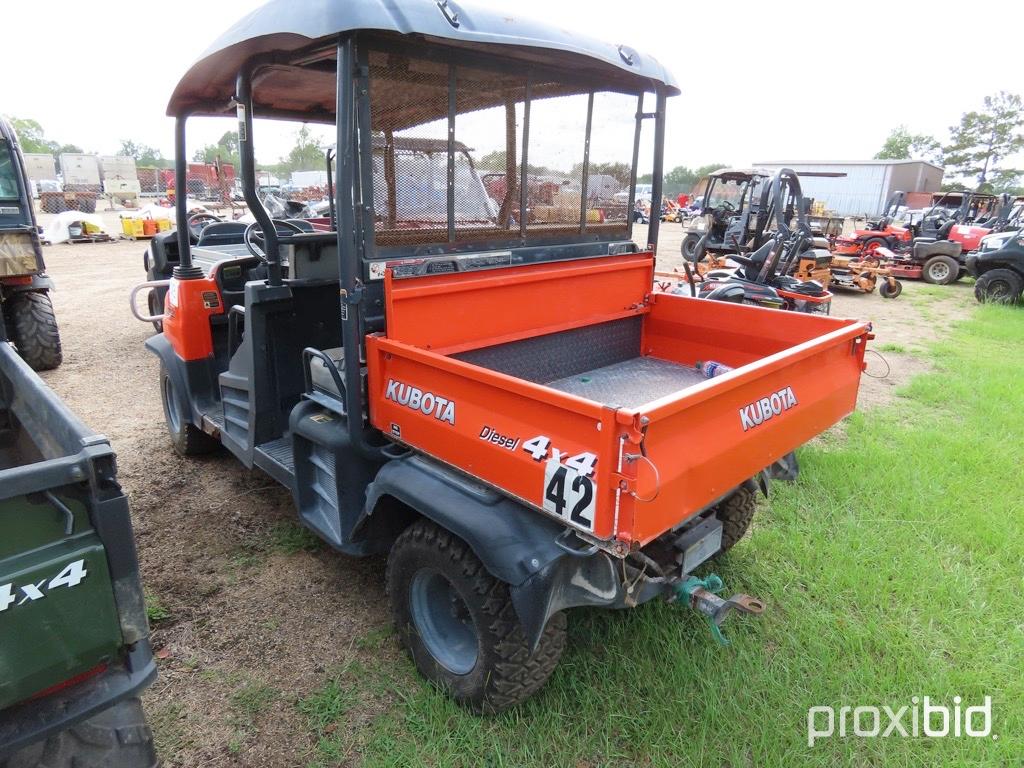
point(368, 77)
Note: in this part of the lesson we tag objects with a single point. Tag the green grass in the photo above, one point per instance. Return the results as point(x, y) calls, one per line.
point(890, 347)
point(893, 568)
point(248, 703)
point(289, 537)
point(155, 610)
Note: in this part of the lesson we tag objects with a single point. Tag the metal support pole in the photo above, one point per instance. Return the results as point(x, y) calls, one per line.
point(585, 172)
point(659, 169)
point(349, 266)
point(184, 270)
point(247, 159)
point(524, 171)
point(636, 159)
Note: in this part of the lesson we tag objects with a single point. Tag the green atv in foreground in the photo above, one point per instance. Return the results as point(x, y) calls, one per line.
point(24, 287)
point(74, 647)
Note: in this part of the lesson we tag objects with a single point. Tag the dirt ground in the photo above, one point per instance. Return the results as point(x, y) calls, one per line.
point(252, 614)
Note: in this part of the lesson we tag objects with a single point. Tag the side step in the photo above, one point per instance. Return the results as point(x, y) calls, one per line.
point(276, 458)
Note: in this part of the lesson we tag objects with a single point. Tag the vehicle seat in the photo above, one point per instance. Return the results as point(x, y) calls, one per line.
point(302, 224)
point(924, 251)
point(752, 264)
point(221, 233)
point(321, 377)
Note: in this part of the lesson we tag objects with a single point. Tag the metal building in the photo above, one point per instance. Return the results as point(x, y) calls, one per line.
point(867, 184)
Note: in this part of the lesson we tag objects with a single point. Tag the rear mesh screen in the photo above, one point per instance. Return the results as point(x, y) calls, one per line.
point(445, 178)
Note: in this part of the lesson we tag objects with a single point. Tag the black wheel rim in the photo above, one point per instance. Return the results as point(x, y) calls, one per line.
point(171, 406)
point(443, 621)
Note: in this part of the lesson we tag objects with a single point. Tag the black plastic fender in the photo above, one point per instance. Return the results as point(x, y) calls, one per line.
point(40, 283)
point(516, 544)
point(161, 347)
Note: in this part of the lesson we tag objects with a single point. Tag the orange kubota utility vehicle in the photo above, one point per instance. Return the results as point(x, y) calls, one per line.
point(491, 394)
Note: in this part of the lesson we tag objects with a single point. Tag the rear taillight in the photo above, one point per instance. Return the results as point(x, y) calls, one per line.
point(71, 681)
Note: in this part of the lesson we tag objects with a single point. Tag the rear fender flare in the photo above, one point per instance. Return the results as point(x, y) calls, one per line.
point(161, 347)
point(39, 284)
point(516, 544)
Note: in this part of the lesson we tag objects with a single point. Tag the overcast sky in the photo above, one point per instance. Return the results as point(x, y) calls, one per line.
point(761, 81)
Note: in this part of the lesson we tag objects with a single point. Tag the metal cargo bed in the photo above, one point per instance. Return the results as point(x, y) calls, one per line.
point(573, 388)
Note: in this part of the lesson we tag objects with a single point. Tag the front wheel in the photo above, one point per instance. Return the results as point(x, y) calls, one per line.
point(458, 624)
point(187, 439)
point(999, 286)
point(689, 246)
point(34, 330)
point(156, 307)
point(115, 738)
point(888, 292)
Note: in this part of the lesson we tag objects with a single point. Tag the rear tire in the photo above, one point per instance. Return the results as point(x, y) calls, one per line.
point(34, 330)
point(689, 246)
point(735, 513)
point(940, 270)
point(874, 242)
point(187, 439)
point(999, 286)
point(118, 737)
point(458, 624)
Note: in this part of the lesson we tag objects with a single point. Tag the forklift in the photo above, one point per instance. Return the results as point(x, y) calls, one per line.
point(26, 312)
point(498, 403)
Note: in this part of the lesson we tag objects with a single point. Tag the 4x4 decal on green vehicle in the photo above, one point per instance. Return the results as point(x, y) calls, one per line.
point(70, 576)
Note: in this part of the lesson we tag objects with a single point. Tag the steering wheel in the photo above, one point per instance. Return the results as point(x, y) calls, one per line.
point(254, 241)
point(725, 205)
point(197, 222)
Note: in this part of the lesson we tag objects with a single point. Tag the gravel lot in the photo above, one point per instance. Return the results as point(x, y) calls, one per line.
point(253, 610)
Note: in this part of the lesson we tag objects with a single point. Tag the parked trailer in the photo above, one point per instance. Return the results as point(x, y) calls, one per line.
point(81, 172)
point(40, 167)
point(505, 407)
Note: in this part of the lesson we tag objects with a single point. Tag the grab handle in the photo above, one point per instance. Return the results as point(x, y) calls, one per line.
point(135, 292)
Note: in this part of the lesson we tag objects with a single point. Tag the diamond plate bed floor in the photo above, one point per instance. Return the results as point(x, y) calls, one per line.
point(631, 383)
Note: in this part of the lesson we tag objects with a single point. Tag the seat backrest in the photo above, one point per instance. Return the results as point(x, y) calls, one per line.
point(757, 259)
point(222, 232)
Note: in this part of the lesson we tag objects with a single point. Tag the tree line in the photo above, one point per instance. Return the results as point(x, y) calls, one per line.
point(980, 150)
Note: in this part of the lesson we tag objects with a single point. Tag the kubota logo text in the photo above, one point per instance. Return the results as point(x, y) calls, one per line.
point(761, 410)
point(441, 408)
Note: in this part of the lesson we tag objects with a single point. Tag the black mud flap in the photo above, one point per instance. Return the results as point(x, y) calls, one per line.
point(787, 468)
point(516, 544)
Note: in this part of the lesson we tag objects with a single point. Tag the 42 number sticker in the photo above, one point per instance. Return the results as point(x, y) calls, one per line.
point(569, 488)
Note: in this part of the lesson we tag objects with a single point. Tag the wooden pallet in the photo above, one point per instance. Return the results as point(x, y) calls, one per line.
point(101, 237)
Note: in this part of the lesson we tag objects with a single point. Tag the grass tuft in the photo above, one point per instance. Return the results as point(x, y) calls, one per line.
point(155, 610)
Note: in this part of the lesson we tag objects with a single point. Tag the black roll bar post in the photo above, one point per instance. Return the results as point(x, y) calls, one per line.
point(349, 260)
point(247, 159)
point(659, 167)
point(184, 269)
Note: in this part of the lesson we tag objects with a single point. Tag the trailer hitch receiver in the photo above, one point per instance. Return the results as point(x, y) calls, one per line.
point(699, 594)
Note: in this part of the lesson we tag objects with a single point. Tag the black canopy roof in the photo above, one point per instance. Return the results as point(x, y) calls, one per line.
point(286, 27)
